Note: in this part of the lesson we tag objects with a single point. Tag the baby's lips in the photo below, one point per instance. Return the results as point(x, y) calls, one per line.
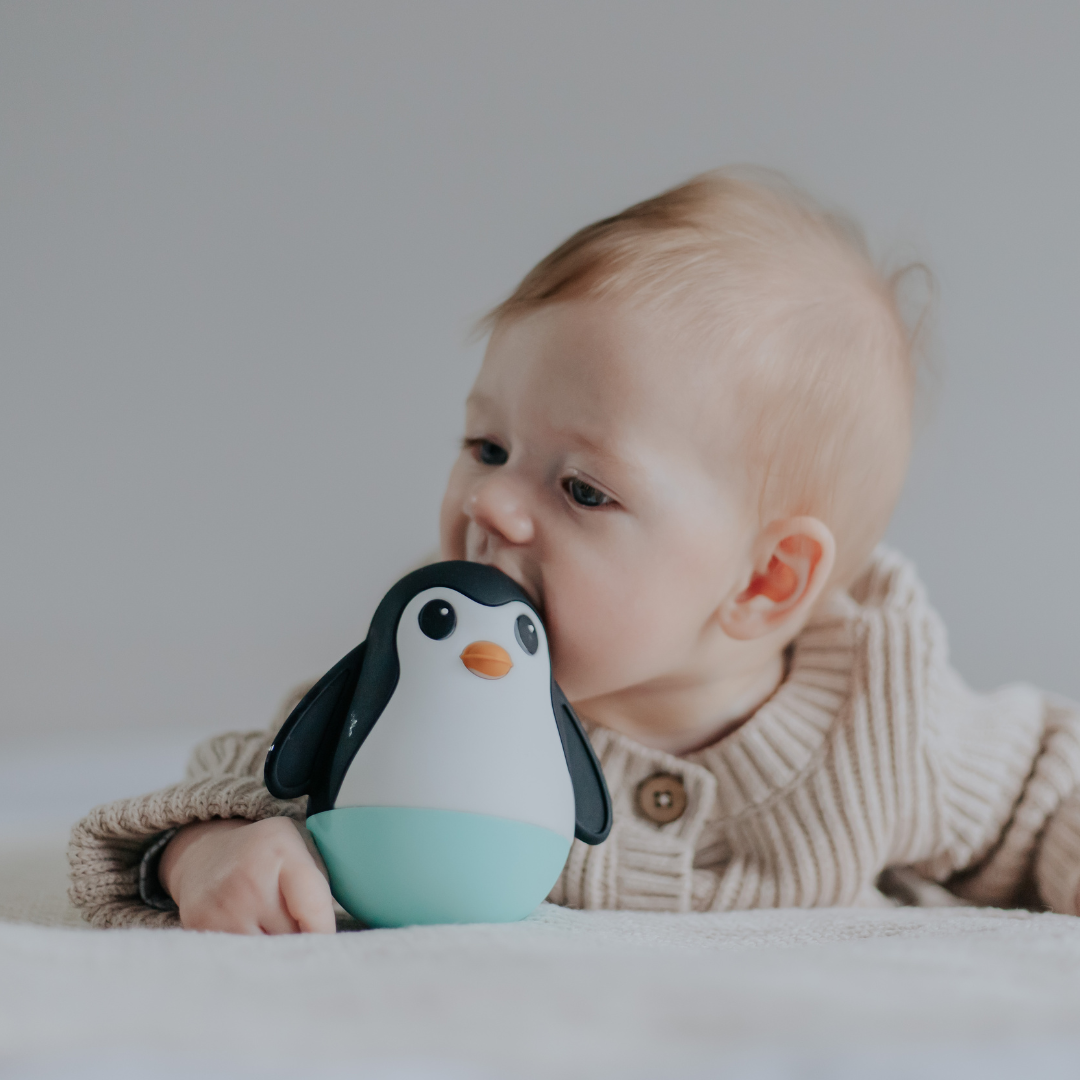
point(486, 659)
point(531, 588)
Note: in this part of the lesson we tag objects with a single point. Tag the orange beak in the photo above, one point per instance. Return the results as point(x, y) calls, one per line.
point(486, 659)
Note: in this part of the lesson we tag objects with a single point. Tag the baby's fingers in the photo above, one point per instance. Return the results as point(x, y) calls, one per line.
point(307, 899)
point(277, 920)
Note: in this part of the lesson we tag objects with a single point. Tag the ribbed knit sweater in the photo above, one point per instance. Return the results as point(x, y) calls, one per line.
point(872, 754)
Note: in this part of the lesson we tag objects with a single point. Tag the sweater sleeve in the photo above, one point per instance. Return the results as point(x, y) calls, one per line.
point(985, 783)
point(1044, 831)
point(223, 780)
point(1007, 774)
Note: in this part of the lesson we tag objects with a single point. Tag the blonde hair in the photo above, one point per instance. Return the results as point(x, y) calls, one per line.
point(812, 331)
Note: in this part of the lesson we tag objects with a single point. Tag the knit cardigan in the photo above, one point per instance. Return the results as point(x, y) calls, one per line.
point(872, 754)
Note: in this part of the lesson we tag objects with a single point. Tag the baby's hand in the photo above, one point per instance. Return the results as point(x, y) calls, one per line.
point(247, 877)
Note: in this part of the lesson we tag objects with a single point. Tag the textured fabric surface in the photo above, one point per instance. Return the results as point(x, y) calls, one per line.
point(760, 995)
point(34, 881)
point(871, 754)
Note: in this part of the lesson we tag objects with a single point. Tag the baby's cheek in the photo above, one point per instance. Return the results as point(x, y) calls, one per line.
point(577, 670)
point(630, 636)
point(452, 524)
point(452, 541)
point(594, 650)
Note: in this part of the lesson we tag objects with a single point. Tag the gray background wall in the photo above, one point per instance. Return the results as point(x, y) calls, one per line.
point(241, 245)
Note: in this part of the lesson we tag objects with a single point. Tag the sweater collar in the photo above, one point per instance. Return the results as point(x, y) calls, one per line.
point(761, 759)
point(767, 754)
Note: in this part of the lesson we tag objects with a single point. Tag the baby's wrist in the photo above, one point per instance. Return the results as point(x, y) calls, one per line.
point(170, 867)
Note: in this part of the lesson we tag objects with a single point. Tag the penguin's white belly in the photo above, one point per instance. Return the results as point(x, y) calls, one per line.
point(459, 742)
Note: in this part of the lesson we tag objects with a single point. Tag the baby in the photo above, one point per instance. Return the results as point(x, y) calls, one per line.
point(689, 431)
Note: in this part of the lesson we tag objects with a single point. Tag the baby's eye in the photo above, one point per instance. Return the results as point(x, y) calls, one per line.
point(490, 453)
point(585, 494)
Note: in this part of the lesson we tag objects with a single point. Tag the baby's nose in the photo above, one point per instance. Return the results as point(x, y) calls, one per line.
point(486, 659)
point(498, 506)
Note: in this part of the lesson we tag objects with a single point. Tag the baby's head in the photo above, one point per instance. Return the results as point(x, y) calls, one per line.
point(692, 422)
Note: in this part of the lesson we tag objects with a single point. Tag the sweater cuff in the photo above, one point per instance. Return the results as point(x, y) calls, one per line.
point(107, 847)
point(1058, 868)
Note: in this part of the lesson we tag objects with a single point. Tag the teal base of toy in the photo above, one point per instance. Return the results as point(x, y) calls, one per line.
point(401, 866)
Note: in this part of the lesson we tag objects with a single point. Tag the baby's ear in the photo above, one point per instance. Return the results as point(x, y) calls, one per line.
point(793, 559)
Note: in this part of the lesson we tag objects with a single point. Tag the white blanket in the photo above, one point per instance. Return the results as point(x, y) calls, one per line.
point(765, 994)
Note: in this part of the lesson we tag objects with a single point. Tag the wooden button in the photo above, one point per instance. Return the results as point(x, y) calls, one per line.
point(662, 798)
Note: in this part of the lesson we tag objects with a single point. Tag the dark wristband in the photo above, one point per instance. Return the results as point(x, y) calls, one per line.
point(151, 891)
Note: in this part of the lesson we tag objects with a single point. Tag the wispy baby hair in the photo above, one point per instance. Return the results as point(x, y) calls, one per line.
point(803, 326)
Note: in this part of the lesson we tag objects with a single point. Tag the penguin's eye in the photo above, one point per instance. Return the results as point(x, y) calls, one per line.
point(525, 632)
point(437, 619)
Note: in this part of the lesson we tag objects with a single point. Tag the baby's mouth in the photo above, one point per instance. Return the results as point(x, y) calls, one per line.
point(532, 590)
point(479, 548)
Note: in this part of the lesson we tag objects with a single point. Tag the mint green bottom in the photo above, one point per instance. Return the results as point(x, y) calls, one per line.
point(401, 866)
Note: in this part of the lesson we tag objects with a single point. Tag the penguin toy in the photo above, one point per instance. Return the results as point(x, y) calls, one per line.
point(446, 772)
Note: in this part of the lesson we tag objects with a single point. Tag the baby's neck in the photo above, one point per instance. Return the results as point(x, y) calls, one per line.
point(680, 716)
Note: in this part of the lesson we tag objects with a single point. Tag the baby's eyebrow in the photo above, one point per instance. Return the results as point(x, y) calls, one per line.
point(591, 446)
point(482, 401)
point(609, 457)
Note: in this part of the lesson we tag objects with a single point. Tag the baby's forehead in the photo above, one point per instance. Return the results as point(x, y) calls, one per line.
point(747, 378)
point(603, 365)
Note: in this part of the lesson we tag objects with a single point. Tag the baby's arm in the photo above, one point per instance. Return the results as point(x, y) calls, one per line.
point(224, 780)
point(261, 877)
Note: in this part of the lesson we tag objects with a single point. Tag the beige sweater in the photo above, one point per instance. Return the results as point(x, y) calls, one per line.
point(872, 754)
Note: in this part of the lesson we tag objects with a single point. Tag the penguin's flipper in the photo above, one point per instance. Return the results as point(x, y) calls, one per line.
point(312, 728)
point(592, 802)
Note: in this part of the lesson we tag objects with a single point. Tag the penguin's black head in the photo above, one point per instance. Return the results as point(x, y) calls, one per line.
point(437, 618)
